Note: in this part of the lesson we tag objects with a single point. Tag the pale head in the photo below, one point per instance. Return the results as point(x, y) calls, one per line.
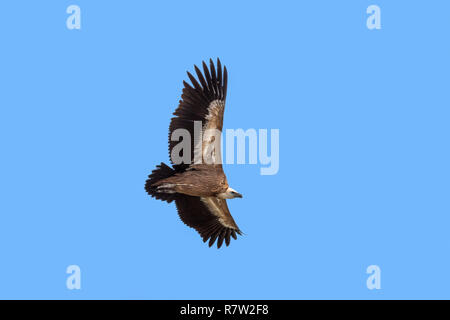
point(230, 193)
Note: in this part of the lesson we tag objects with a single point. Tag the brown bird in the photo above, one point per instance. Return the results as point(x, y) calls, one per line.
point(199, 188)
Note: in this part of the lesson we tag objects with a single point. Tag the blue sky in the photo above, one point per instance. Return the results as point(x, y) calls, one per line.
point(364, 149)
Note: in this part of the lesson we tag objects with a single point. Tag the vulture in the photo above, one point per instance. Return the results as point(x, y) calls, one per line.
point(199, 188)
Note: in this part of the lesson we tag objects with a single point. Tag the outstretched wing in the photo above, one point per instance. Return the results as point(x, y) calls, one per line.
point(202, 104)
point(209, 216)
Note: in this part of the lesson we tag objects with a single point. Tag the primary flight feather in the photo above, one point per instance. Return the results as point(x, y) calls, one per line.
point(199, 188)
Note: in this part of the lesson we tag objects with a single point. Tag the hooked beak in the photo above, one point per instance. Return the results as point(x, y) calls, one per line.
point(238, 195)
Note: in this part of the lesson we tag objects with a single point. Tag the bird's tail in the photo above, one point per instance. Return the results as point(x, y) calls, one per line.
point(161, 172)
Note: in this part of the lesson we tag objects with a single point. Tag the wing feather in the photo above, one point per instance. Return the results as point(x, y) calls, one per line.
point(219, 79)
point(213, 77)
point(202, 100)
point(202, 81)
point(209, 216)
point(220, 239)
point(208, 78)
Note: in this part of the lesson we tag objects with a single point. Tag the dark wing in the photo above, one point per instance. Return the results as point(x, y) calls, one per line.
point(209, 216)
point(203, 101)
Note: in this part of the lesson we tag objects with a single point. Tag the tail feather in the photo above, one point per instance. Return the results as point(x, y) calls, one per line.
point(161, 172)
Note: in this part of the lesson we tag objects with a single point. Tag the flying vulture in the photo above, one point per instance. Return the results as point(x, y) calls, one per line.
point(199, 188)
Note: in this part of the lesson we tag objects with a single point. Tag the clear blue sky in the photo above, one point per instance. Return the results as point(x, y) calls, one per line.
point(364, 149)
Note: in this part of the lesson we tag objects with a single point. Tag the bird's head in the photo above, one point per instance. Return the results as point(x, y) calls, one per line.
point(230, 193)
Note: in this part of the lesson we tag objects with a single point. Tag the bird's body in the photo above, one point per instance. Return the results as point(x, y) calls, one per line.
point(201, 180)
point(199, 186)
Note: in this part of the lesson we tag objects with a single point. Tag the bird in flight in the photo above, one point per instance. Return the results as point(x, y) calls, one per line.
point(199, 188)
